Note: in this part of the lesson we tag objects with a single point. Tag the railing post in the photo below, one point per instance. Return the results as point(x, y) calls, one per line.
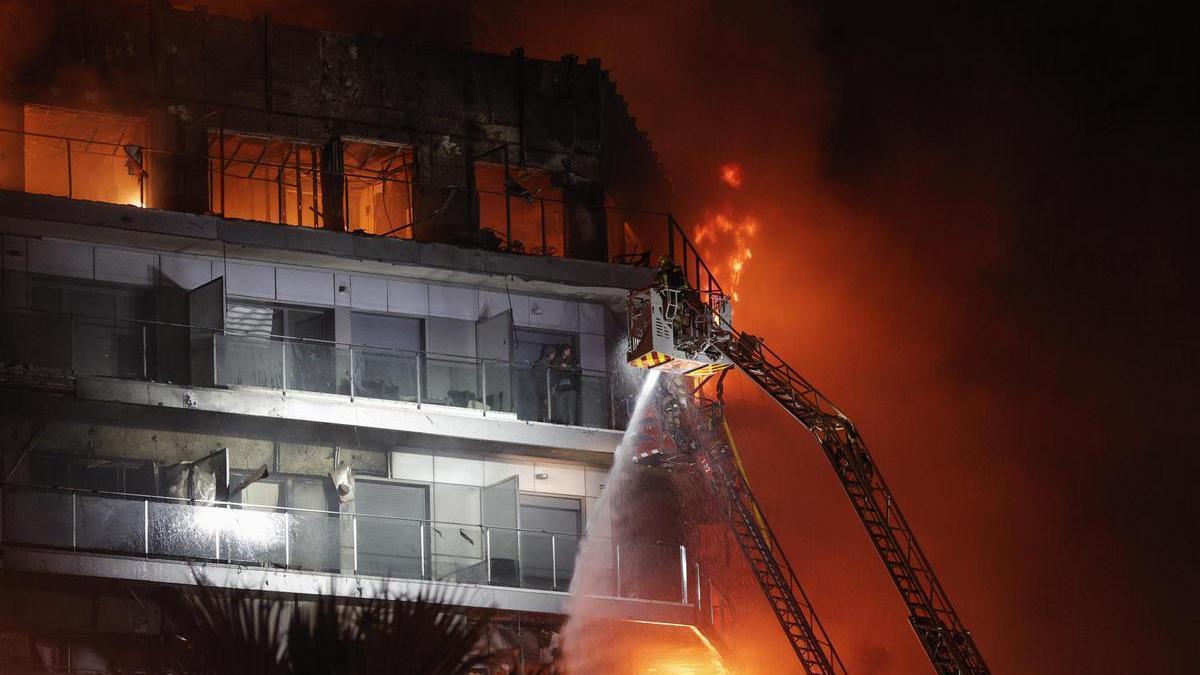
point(549, 397)
point(146, 526)
point(74, 523)
point(699, 586)
point(683, 572)
point(542, 204)
point(282, 364)
point(487, 553)
point(70, 173)
point(287, 539)
point(618, 570)
point(670, 238)
point(483, 384)
point(417, 361)
point(553, 562)
point(354, 527)
point(351, 350)
point(145, 356)
point(421, 531)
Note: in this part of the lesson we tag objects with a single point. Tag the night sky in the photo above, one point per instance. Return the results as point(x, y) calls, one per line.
point(975, 234)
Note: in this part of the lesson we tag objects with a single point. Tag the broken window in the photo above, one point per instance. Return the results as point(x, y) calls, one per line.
point(84, 155)
point(532, 219)
point(378, 187)
point(266, 178)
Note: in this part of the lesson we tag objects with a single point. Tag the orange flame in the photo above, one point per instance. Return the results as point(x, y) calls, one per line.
point(731, 175)
point(724, 242)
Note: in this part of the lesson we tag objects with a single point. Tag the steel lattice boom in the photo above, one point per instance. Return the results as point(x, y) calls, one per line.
point(703, 428)
point(949, 645)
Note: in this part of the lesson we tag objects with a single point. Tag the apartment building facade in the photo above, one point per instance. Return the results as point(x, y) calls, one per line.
point(314, 313)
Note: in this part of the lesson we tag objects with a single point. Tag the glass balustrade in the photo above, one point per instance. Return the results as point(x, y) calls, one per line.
point(146, 350)
point(321, 541)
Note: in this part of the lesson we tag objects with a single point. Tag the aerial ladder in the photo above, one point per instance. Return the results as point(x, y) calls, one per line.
point(682, 325)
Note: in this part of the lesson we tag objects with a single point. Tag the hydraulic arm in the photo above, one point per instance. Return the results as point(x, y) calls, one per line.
point(678, 329)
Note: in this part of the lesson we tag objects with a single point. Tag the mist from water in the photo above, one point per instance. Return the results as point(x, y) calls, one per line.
point(640, 509)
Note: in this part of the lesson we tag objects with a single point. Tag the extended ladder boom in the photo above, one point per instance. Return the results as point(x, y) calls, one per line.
point(947, 642)
point(706, 427)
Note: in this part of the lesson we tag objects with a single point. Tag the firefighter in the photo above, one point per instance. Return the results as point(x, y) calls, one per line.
point(671, 275)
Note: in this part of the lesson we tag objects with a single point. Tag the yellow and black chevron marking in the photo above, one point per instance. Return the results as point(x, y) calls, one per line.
point(710, 369)
point(651, 359)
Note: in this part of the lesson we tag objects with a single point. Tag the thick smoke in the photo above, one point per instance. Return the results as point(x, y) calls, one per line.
point(949, 247)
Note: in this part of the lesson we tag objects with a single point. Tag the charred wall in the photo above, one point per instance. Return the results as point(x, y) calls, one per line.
point(190, 72)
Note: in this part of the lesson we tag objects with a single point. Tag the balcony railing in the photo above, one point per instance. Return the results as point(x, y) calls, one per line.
point(184, 354)
point(291, 191)
point(333, 542)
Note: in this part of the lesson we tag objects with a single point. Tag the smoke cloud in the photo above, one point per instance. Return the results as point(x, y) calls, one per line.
point(946, 246)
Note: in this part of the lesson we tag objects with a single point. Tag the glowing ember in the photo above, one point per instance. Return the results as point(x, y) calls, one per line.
point(731, 175)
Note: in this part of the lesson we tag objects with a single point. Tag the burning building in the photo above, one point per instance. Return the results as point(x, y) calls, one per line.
point(314, 313)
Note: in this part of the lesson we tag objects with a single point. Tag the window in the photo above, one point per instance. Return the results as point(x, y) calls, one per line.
point(265, 178)
point(128, 476)
point(392, 535)
point(378, 187)
point(102, 339)
point(310, 362)
point(84, 155)
point(534, 222)
point(550, 531)
point(533, 376)
point(385, 365)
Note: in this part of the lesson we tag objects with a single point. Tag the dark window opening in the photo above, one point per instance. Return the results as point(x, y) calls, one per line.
point(84, 155)
point(378, 188)
point(275, 180)
point(533, 220)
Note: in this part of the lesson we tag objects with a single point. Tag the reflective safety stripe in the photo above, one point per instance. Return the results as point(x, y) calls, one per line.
point(710, 369)
point(651, 359)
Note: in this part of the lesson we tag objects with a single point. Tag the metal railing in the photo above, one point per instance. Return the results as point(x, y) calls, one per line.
point(291, 192)
point(185, 354)
point(335, 542)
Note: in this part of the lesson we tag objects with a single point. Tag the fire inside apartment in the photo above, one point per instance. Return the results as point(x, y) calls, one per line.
point(314, 313)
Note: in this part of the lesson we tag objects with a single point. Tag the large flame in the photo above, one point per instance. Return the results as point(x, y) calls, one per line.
point(724, 237)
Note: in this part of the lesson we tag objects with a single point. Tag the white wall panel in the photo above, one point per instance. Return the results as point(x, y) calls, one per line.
point(310, 287)
point(495, 471)
point(126, 267)
point(561, 479)
point(555, 314)
point(412, 466)
point(591, 352)
point(492, 303)
point(341, 289)
point(591, 318)
point(594, 480)
point(185, 273)
point(458, 470)
point(408, 297)
point(453, 302)
point(251, 281)
point(450, 336)
point(60, 258)
point(369, 293)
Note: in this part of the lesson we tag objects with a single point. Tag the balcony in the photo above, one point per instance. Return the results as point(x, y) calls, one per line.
point(280, 181)
point(71, 344)
point(345, 544)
